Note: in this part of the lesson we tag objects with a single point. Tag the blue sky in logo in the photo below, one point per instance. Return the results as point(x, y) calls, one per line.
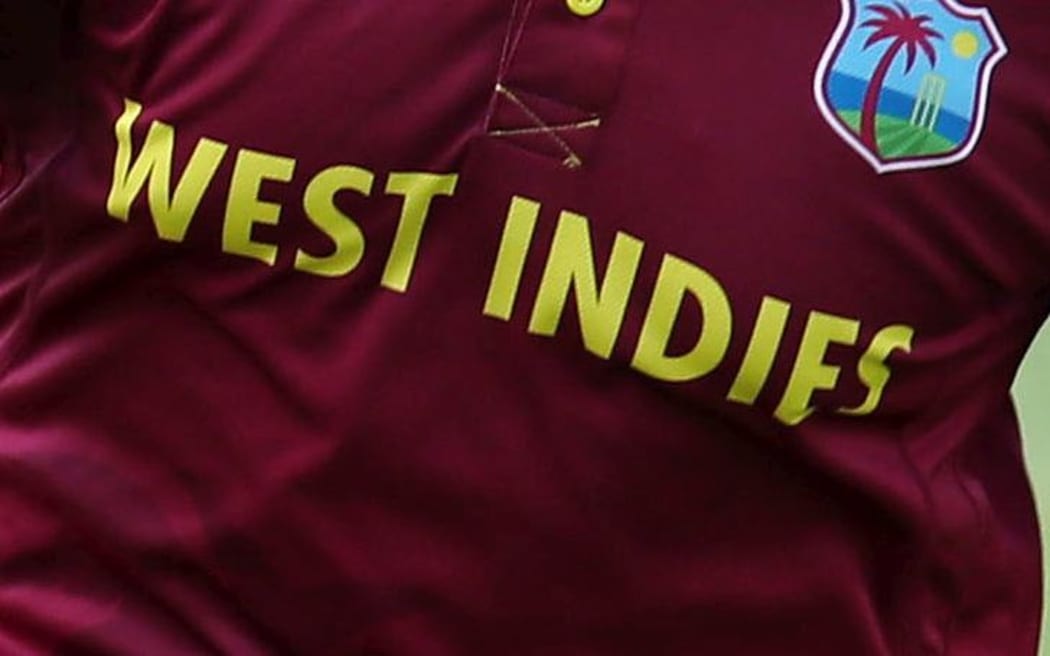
point(965, 45)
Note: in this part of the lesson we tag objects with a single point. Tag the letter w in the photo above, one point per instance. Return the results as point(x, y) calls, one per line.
point(172, 213)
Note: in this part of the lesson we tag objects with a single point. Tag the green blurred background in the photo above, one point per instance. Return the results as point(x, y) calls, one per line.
point(1032, 391)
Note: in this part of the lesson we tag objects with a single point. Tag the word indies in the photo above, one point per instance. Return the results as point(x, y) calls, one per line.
point(601, 298)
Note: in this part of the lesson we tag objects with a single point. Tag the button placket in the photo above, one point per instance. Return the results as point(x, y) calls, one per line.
point(559, 75)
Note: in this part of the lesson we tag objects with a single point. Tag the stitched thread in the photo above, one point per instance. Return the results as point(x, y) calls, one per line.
point(572, 159)
point(519, 19)
point(513, 39)
point(582, 110)
point(519, 16)
point(565, 127)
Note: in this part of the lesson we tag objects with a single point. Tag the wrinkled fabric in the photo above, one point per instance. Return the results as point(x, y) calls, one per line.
point(221, 434)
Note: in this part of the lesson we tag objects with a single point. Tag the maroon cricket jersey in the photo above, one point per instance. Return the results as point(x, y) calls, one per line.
point(526, 328)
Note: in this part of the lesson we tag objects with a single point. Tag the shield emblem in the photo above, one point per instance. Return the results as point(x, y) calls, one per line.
point(905, 84)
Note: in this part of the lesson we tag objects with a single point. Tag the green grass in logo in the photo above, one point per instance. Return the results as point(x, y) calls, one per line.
point(899, 138)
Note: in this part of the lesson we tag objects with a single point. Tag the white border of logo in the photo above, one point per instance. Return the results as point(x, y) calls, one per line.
point(850, 138)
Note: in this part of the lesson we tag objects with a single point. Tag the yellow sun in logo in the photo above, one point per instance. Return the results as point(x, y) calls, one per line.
point(965, 44)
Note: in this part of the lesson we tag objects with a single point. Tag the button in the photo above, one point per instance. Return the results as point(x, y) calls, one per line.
point(585, 8)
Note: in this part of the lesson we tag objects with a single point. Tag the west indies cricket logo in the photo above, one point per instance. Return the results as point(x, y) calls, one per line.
point(906, 84)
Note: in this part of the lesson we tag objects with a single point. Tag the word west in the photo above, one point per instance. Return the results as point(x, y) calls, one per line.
point(174, 210)
point(601, 298)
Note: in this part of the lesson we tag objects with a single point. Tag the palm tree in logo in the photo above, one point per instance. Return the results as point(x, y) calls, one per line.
point(908, 33)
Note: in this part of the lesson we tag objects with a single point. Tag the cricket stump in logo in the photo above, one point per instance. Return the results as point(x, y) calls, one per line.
point(905, 84)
